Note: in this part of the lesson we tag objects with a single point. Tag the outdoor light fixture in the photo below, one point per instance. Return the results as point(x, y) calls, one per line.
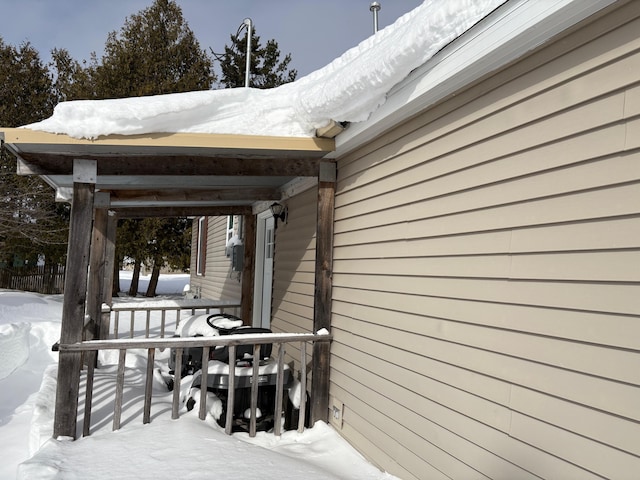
point(279, 211)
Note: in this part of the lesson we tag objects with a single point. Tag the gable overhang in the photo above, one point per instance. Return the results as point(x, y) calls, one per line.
point(508, 33)
point(185, 173)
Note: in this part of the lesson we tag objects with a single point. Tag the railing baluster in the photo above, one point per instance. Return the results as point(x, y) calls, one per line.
point(303, 386)
point(88, 394)
point(203, 383)
point(148, 387)
point(162, 323)
point(115, 325)
point(133, 318)
point(177, 377)
point(255, 384)
point(117, 411)
point(231, 392)
point(146, 333)
point(277, 415)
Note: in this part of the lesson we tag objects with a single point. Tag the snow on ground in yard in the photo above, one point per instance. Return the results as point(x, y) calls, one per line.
point(171, 284)
point(184, 448)
point(349, 89)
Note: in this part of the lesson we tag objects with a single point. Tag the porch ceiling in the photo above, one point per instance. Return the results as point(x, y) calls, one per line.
point(172, 173)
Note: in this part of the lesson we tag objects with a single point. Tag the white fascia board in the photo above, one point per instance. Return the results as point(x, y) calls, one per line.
point(289, 190)
point(509, 32)
point(297, 186)
point(64, 194)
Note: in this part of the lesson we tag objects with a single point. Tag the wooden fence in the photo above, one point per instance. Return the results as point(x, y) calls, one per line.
point(46, 279)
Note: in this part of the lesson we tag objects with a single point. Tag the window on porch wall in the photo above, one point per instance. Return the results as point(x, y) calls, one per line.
point(201, 254)
point(230, 222)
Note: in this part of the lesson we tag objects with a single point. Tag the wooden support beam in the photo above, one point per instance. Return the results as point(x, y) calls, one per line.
point(322, 291)
point(186, 194)
point(110, 259)
point(73, 306)
point(301, 165)
point(248, 267)
point(94, 291)
point(187, 211)
point(97, 267)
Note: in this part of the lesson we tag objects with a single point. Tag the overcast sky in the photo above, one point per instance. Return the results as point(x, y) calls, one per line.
point(313, 31)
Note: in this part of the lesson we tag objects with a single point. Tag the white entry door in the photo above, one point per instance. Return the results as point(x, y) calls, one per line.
point(265, 247)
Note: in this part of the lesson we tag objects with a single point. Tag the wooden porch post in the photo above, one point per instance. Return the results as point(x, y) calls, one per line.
point(75, 292)
point(248, 268)
point(323, 285)
point(97, 265)
point(110, 259)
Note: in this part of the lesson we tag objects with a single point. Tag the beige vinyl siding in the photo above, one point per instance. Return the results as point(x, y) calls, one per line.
point(294, 267)
point(486, 287)
point(218, 281)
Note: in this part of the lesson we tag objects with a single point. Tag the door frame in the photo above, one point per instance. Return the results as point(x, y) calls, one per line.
point(259, 284)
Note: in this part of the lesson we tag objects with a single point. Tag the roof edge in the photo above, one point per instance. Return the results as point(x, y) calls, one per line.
point(506, 34)
point(17, 136)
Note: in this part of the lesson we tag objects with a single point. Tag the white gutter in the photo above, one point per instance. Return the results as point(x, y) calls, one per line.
point(509, 32)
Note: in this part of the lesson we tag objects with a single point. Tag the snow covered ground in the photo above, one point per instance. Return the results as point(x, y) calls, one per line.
point(165, 448)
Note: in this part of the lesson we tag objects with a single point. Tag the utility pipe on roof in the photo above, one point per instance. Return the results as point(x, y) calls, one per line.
point(375, 8)
point(249, 24)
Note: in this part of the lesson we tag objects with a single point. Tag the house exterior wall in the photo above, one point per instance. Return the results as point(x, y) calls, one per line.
point(294, 270)
point(218, 280)
point(486, 285)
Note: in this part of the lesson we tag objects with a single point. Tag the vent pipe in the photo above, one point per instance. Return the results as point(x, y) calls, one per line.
point(249, 25)
point(375, 8)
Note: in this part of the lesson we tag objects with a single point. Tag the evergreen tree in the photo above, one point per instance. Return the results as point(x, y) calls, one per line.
point(32, 225)
point(154, 53)
point(169, 245)
point(131, 243)
point(72, 80)
point(266, 68)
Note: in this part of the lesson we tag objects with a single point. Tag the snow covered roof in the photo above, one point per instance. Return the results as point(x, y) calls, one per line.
point(502, 36)
point(234, 148)
point(349, 89)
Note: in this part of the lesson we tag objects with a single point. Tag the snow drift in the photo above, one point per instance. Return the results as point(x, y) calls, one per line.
point(14, 347)
point(165, 448)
